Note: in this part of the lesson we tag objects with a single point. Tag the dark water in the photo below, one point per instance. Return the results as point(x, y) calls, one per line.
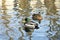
point(11, 18)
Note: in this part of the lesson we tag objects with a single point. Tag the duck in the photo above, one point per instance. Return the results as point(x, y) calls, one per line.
point(37, 17)
point(29, 25)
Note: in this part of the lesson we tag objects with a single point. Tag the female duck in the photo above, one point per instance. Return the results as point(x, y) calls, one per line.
point(37, 17)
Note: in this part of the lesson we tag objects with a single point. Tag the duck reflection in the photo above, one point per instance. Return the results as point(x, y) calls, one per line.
point(5, 15)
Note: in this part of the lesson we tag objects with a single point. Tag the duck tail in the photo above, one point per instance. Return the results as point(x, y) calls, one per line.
point(36, 27)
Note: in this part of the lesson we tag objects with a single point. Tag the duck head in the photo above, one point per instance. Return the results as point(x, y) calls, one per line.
point(27, 20)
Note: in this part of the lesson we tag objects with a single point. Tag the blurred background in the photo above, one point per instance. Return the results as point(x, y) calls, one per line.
point(13, 11)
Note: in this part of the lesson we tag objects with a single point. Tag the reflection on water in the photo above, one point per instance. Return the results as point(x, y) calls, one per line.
point(50, 4)
point(24, 7)
point(11, 20)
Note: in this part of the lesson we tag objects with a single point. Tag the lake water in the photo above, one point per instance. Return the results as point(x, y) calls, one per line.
point(10, 21)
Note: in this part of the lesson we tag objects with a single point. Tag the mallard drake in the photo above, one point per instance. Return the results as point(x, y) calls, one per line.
point(37, 17)
point(30, 25)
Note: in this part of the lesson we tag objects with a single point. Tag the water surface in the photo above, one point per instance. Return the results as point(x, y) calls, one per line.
point(11, 17)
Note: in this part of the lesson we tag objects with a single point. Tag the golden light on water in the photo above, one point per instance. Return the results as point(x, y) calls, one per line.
point(57, 4)
point(8, 3)
point(0, 2)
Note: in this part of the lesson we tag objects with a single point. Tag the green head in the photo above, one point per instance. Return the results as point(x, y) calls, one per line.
point(27, 19)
